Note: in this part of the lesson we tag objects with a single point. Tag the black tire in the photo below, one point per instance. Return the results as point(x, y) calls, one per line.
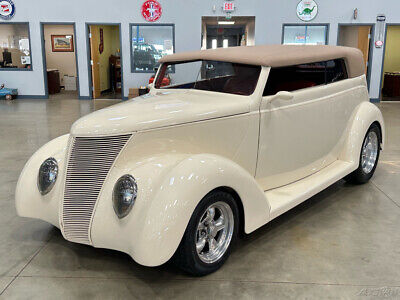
point(359, 176)
point(186, 256)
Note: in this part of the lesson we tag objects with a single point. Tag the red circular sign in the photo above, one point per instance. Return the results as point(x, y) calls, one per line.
point(151, 10)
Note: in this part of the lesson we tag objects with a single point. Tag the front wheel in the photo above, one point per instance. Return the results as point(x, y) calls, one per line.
point(9, 97)
point(209, 235)
point(368, 158)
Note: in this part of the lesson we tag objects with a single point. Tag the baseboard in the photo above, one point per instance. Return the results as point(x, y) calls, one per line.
point(32, 97)
point(375, 100)
point(84, 98)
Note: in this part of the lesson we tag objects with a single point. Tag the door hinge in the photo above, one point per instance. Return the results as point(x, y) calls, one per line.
point(91, 62)
point(90, 35)
point(369, 36)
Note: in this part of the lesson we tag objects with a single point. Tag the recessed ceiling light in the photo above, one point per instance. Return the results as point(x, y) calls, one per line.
point(226, 22)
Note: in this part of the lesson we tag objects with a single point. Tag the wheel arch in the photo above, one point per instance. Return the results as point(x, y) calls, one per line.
point(381, 133)
point(238, 202)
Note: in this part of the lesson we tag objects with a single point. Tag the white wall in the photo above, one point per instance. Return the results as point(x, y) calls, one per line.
point(186, 15)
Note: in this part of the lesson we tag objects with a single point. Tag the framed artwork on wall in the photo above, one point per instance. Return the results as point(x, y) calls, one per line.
point(62, 43)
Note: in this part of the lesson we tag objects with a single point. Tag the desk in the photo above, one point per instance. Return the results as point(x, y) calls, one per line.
point(391, 84)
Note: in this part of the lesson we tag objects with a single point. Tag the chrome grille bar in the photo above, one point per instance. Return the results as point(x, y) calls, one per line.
point(89, 162)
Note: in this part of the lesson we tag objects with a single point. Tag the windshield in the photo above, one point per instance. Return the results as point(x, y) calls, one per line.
point(208, 75)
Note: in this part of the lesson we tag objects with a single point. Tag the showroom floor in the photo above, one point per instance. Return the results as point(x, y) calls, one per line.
point(342, 243)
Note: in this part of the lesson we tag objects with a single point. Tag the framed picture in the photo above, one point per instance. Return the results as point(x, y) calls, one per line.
point(62, 43)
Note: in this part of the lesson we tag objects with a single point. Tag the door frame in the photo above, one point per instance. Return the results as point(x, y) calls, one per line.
point(371, 45)
point(44, 61)
point(383, 58)
point(88, 55)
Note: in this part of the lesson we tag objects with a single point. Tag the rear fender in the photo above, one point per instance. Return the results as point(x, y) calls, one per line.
point(364, 115)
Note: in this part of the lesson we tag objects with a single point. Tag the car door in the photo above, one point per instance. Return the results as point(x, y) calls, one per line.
point(295, 127)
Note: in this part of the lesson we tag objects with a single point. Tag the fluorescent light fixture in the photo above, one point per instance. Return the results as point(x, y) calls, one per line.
point(226, 22)
point(214, 44)
point(225, 43)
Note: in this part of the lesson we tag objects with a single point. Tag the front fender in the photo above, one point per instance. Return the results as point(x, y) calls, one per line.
point(169, 189)
point(28, 200)
point(180, 193)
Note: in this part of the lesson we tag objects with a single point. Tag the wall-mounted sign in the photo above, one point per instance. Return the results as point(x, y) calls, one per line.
point(7, 9)
point(151, 10)
point(355, 14)
point(380, 30)
point(307, 10)
point(228, 7)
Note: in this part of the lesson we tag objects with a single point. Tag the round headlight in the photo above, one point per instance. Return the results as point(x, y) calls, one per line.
point(124, 195)
point(47, 175)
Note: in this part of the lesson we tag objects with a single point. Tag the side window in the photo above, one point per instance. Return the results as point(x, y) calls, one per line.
point(303, 76)
point(294, 78)
point(335, 70)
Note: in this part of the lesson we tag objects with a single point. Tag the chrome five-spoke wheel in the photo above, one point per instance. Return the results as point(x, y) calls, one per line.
point(369, 152)
point(369, 156)
point(214, 232)
point(212, 229)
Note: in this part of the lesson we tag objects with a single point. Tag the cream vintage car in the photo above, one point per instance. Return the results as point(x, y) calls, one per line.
point(239, 137)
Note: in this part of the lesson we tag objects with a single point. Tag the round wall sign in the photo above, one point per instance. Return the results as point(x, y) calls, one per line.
point(151, 10)
point(307, 10)
point(7, 9)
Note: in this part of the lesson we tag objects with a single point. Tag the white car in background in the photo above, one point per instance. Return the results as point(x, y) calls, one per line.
point(239, 137)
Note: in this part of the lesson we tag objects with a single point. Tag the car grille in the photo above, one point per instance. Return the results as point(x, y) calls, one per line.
point(89, 162)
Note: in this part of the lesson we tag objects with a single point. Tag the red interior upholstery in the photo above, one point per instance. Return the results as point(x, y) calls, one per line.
point(294, 85)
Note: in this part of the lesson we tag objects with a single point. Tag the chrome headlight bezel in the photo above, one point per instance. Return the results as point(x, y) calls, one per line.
point(47, 175)
point(124, 195)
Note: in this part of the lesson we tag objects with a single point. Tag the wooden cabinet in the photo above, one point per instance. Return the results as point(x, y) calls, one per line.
point(53, 81)
point(391, 85)
point(115, 73)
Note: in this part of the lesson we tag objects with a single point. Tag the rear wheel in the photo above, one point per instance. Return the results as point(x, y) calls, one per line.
point(368, 158)
point(9, 97)
point(209, 235)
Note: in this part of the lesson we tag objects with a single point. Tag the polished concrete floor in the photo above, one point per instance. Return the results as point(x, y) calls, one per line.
point(342, 243)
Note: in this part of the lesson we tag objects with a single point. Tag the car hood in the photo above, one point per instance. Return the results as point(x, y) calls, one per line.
point(160, 109)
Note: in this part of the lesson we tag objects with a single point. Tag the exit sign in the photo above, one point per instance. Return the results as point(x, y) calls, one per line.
point(228, 6)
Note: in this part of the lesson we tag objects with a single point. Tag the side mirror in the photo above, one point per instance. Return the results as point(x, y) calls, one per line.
point(282, 95)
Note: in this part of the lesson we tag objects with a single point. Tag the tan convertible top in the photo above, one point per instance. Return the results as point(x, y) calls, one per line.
point(277, 56)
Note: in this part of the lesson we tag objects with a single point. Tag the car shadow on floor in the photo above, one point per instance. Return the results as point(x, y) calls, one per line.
point(62, 258)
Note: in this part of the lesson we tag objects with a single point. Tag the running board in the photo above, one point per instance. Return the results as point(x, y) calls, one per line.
point(286, 197)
